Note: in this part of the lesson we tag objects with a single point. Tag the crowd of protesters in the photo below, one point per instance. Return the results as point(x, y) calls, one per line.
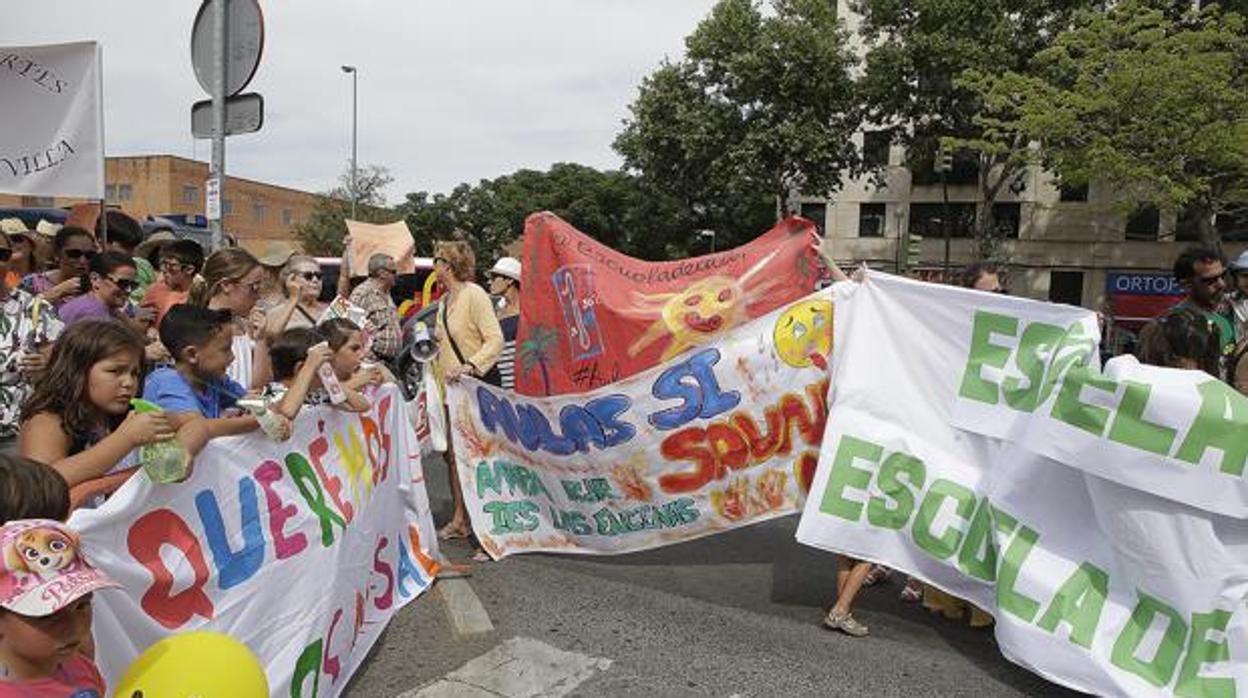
point(86, 328)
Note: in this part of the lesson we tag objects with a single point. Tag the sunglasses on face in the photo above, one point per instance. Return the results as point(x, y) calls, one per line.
point(126, 285)
point(5, 254)
point(1211, 280)
point(79, 254)
point(310, 275)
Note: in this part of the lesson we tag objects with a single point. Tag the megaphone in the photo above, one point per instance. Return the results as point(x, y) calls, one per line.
point(423, 347)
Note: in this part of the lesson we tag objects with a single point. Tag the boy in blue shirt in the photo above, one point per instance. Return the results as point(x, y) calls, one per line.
point(199, 340)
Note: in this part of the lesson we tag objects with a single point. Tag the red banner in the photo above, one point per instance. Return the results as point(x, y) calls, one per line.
point(591, 315)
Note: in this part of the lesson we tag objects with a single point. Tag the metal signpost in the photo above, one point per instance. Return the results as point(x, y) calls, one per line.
point(226, 42)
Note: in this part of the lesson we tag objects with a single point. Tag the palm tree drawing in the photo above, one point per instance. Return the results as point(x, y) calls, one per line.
point(536, 352)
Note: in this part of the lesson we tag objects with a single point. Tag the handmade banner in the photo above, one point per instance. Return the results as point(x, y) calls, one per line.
point(719, 438)
point(1106, 588)
point(592, 315)
point(368, 239)
point(52, 143)
point(302, 550)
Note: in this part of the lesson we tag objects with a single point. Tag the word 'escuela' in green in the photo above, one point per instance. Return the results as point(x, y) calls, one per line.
point(523, 515)
point(901, 479)
point(1031, 381)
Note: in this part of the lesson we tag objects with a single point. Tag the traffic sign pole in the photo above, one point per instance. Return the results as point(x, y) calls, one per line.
point(218, 116)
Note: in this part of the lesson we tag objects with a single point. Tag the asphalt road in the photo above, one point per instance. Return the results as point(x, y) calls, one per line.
point(736, 614)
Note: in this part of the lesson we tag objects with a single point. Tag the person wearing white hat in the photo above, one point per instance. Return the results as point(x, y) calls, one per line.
point(505, 286)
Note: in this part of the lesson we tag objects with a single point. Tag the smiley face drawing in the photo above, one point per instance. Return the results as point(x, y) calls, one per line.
point(700, 313)
point(803, 334)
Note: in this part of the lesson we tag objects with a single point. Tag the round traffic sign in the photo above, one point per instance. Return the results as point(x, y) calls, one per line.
point(244, 42)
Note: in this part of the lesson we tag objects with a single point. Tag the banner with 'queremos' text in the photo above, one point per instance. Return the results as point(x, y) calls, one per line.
point(1096, 583)
point(717, 438)
point(302, 550)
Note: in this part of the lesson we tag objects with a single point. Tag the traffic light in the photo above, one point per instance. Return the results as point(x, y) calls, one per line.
point(914, 250)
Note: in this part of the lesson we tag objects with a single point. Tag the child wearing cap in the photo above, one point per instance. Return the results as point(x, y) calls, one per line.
point(45, 612)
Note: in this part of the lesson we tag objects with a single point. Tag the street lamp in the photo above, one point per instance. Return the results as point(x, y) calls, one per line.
point(708, 234)
point(354, 91)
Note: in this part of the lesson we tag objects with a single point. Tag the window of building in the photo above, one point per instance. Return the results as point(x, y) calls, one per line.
point(875, 149)
point(817, 213)
point(288, 217)
point(110, 192)
point(125, 192)
point(1066, 287)
point(1232, 225)
point(871, 220)
point(927, 219)
point(190, 193)
point(38, 202)
point(1071, 192)
point(257, 212)
point(227, 207)
point(923, 169)
point(1187, 226)
point(1008, 218)
point(1144, 223)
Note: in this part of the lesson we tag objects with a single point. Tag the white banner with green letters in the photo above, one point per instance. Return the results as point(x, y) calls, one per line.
point(1100, 517)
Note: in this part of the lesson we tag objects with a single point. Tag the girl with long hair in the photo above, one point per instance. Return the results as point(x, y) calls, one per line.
point(73, 248)
point(231, 280)
point(78, 418)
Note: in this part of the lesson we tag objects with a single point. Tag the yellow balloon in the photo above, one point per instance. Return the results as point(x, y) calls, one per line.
point(198, 664)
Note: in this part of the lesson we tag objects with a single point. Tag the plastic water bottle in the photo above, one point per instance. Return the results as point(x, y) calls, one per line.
point(163, 461)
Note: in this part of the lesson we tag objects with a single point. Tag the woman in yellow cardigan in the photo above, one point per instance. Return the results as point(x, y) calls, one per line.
point(469, 342)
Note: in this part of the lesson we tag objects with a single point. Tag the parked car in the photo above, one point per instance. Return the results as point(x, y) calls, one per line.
point(407, 286)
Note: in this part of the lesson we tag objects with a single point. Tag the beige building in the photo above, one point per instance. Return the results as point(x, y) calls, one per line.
point(255, 213)
point(1063, 243)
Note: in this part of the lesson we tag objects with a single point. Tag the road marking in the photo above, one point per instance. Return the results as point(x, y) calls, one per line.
point(467, 615)
point(518, 668)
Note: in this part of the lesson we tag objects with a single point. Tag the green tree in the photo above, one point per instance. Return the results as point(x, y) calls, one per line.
point(762, 104)
point(919, 57)
point(613, 207)
point(1152, 101)
point(323, 232)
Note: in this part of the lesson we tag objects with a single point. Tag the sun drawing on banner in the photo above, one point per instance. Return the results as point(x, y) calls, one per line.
point(803, 334)
point(700, 313)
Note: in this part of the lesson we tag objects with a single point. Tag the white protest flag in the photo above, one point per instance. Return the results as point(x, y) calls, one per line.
point(1106, 588)
point(302, 550)
point(52, 140)
point(720, 437)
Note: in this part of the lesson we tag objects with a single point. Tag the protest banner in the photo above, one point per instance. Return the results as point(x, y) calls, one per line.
point(1094, 584)
point(592, 315)
point(52, 143)
point(302, 550)
point(715, 439)
point(368, 239)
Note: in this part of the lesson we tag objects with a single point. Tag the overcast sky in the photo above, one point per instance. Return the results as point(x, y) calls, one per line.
point(450, 90)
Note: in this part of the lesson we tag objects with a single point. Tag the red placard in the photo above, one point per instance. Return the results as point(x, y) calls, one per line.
point(591, 315)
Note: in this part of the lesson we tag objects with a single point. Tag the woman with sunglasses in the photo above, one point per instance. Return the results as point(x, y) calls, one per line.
point(301, 280)
point(74, 247)
point(231, 280)
point(107, 287)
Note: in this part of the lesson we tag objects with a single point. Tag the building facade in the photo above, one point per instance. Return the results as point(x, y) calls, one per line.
point(255, 213)
point(1064, 245)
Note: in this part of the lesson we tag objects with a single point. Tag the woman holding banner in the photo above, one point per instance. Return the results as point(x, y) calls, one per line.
point(469, 342)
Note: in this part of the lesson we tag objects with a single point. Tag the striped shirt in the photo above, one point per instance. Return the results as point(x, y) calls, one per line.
point(507, 359)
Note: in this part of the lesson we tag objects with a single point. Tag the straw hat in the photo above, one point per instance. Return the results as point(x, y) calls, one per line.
point(153, 241)
point(276, 254)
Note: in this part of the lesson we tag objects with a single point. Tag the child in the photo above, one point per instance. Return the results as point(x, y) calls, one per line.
point(296, 356)
point(31, 490)
point(346, 340)
point(45, 612)
point(200, 342)
point(78, 418)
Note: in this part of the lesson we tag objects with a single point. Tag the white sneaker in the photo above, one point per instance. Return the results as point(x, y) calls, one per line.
point(845, 623)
